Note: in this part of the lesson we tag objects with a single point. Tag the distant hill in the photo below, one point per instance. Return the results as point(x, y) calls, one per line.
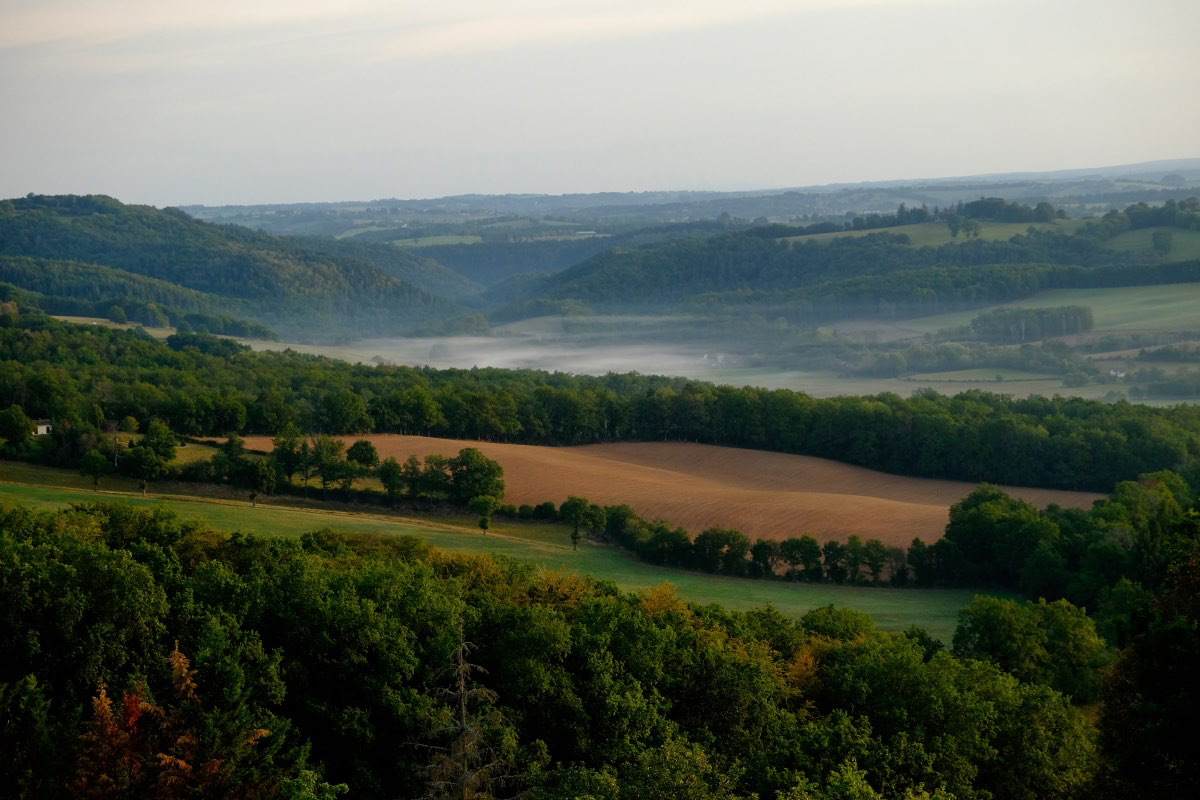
point(1080, 191)
point(293, 285)
point(827, 273)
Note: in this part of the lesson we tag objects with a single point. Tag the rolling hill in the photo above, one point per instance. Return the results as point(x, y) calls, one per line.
point(769, 495)
point(303, 290)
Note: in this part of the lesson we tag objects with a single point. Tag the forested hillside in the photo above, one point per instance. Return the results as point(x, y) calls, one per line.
point(773, 269)
point(287, 283)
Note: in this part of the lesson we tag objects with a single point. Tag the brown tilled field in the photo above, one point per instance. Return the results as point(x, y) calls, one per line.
point(696, 486)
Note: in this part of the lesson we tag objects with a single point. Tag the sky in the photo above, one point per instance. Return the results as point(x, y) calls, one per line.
point(177, 102)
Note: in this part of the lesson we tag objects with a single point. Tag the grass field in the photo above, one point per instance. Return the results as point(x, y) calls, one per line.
point(1185, 245)
point(936, 234)
point(157, 333)
point(1170, 307)
point(547, 544)
point(762, 494)
point(434, 241)
point(995, 376)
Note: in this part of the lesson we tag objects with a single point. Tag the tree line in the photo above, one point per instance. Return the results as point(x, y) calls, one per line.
point(1020, 325)
point(87, 380)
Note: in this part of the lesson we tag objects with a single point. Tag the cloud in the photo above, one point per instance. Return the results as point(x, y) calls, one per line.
point(403, 29)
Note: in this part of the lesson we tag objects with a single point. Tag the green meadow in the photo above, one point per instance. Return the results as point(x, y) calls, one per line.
point(936, 234)
point(545, 543)
point(434, 241)
point(1169, 307)
point(1185, 245)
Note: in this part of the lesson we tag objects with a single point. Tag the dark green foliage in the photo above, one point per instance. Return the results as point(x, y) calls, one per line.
point(484, 506)
point(66, 287)
point(337, 645)
point(1048, 643)
point(363, 453)
point(836, 623)
point(472, 474)
point(1017, 325)
point(721, 550)
point(95, 465)
point(16, 429)
point(1150, 695)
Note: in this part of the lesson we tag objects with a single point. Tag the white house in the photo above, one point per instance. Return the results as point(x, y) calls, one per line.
point(42, 427)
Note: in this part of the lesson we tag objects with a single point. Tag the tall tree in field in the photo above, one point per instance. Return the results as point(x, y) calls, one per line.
point(328, 458)
point(573, 511)
point(363, 453)
point(391, 475)
point(158, 437)
point(473, 474)
point(95, 466)
point(254, 475)
point(484, 505)
point(145, 464)
point(287, 453)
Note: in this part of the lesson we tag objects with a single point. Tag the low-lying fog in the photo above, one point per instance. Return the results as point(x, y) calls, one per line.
point(534, 346)
point(512, 353)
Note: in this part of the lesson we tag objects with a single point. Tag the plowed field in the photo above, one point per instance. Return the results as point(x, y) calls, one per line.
point(772, 495)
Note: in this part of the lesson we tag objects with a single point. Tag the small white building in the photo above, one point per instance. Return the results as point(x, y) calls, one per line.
point(42, 427)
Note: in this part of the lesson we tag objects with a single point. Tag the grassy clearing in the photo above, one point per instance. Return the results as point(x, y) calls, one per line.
point(936, 234)
point(525, 222)
point(986, 375)
point(1185, 245)
point(192, 452)
point(157, 333)
point(545, 543)
point(1170, 307)
point(434, 241)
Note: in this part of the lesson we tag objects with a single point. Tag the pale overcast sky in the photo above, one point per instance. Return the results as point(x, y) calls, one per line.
point(171, 102)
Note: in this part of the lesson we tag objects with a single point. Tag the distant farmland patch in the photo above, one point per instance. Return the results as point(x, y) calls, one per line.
point(1185, 245)
point(434, 241)
point(936, 234)
point(771, 495)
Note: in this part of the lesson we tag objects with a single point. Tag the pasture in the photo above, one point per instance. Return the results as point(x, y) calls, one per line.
point(1185, 245)
point(1169, 307)
point(434, 241)
point(936, 234)
point(545, 543)
point(696, 486)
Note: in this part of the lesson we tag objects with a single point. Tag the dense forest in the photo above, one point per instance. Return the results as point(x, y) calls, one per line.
point(153, 657)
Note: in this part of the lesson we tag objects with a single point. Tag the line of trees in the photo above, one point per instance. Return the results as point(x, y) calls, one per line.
point(1106, 560)
point(87, 380)
point(1019, 325)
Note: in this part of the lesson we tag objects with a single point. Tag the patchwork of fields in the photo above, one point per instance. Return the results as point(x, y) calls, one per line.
point(770, 495)
point(545, 543)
